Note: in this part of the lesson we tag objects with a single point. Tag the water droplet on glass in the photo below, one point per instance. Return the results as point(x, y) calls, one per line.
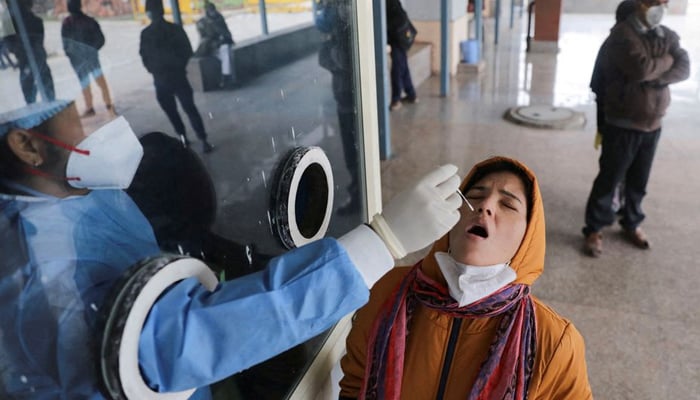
point(269, 222)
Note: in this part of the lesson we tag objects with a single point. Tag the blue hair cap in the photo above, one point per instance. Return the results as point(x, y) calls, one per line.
point(31, 115)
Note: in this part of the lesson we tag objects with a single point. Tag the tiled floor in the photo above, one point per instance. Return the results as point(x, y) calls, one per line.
point(636, 309)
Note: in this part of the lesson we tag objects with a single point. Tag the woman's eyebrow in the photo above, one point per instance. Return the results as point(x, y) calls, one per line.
point(511, 195)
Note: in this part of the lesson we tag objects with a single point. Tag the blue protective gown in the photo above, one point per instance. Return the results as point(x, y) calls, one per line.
point(60, 257)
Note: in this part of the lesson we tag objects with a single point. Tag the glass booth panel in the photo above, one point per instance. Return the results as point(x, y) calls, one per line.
point(248, 151)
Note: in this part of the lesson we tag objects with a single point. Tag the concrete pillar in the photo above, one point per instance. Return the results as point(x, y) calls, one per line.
point(547, 18)
point(425, 16)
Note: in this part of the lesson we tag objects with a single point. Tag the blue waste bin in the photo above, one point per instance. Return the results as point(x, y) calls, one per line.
point(471, 51)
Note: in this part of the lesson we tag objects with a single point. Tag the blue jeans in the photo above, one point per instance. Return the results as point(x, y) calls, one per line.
point(400, 75)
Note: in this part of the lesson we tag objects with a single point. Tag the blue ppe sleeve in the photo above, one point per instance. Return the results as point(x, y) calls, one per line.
point(193, 337)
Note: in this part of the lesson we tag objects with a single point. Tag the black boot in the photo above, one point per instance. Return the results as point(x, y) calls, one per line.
point(207, 147)
point(185, 142)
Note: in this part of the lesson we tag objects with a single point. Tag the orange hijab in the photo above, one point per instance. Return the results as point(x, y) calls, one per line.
point(528, 261)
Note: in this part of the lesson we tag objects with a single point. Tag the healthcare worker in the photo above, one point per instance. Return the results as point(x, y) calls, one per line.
point(65, 244)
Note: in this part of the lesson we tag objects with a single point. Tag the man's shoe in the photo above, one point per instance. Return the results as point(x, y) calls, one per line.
point(410, 100)
point(184, 141)
point(637, 237)
point(90, 112)
point(594, 244)
point(207, 147)
point(395, 105)
point(110, 109)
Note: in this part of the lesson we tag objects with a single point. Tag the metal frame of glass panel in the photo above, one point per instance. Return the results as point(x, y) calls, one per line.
point(320, 369)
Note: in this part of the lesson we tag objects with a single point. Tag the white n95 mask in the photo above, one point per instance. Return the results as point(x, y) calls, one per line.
point(468, 283)
point(654, 15)
point(107, 159)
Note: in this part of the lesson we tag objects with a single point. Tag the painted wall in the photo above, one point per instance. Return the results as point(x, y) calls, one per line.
point(426, 18)
point(608, 6)
point(421, 10)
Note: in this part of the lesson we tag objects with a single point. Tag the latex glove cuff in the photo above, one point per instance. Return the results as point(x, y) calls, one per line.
point(392, 243)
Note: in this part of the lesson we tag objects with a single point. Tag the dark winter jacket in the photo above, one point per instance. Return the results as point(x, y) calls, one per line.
point(637, 65)
point(81, 36)
point(35, 31)
point(213, 32)
point(395, 18)
point(165, 50)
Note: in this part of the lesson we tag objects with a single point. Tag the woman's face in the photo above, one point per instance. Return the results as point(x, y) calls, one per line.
point(492, 233)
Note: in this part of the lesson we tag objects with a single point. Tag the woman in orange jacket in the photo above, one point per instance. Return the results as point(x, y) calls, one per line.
point(462, 324)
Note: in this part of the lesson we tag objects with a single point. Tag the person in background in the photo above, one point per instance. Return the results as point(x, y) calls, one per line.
point(597, 85)
point(638, 61)
point(165, 51)
point(69, 234)
point(401, 82)
point(34, 27)
point(82, 38)
point(462, 323)
point(335, 55)
point(216, 39)
point(5, 59)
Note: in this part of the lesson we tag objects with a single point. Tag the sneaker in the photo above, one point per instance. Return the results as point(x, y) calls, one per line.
point(410, 100)
point(90, 112)
point(395, 105)
point(185, 142)
point(207, 147)
point(594, 244)
point(111, 110)
point(637, 237)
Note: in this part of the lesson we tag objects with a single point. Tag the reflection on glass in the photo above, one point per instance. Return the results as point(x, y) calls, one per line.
point(185, 200)
point(286, 14)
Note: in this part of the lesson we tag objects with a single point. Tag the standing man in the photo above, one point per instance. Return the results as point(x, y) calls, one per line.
point(82, 37)
point(34, 27)
point(165, 51)
point(396, 22)
point(638, 60)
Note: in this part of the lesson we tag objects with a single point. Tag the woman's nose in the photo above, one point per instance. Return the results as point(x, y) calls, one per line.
point(485, 209)
point(485, 206)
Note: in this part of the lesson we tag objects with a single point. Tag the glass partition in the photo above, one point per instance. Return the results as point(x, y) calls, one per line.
point(252, 145)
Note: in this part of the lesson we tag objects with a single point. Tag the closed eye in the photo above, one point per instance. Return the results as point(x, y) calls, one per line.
point(510, 206)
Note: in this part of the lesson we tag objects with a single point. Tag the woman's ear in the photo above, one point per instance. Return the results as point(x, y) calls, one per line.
point(27, 147)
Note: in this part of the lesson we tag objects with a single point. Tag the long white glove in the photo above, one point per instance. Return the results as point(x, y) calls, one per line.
point(418, 216)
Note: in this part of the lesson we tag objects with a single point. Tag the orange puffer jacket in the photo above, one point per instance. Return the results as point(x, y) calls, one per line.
point(560, 365)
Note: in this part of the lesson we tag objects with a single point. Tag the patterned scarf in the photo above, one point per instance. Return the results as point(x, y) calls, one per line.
point(508, 368)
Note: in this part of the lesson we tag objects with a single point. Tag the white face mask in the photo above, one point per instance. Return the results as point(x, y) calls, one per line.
point(468, 283)
point(654, 15)
point(114, 156)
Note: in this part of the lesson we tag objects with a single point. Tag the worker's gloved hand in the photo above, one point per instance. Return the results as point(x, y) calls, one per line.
point(421, 214)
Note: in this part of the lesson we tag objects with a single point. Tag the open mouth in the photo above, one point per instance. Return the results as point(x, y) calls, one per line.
point(478, 231)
